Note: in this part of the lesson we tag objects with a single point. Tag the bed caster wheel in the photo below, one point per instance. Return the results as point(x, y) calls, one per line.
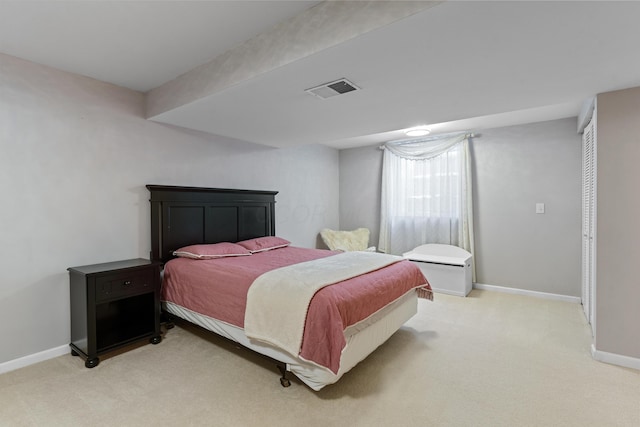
point(91, 363)
point(155, 340)
point(74, 353)
point(283, 379)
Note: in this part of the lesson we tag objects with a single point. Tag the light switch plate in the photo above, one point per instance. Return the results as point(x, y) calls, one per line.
point(539, 208)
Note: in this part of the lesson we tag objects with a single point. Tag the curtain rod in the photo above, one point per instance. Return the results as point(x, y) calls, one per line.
point(428, 138)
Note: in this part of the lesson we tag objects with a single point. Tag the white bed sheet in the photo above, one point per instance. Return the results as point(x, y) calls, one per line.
point(362, 339)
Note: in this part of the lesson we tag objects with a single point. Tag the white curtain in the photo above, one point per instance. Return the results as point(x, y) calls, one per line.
point(426, 194)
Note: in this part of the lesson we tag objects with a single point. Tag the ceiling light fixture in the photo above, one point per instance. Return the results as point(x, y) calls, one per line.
point(418, 131)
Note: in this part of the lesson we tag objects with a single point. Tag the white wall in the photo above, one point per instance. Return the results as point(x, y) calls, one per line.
point(75, 156)
point(514, 168)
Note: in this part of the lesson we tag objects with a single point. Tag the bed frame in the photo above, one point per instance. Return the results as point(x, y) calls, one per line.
point(182, 216)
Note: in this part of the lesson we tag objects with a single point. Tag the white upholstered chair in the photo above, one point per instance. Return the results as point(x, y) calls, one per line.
point(340, 240)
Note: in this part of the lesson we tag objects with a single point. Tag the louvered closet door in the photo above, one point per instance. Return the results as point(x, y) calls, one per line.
point(588, 220)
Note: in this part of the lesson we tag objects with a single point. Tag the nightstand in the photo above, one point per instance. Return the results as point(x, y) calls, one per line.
point(112, 305)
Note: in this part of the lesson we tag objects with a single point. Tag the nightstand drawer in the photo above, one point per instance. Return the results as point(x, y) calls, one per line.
point(124, 284)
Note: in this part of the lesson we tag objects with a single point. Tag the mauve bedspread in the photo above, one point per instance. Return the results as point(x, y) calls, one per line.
point(218, 288)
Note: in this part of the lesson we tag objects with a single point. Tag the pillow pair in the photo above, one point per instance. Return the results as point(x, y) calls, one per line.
point(228, 249)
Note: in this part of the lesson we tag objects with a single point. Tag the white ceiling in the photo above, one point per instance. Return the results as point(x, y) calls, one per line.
point(135, 44)
point(458, 65)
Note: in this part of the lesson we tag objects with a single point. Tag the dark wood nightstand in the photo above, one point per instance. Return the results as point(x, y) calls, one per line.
point(112, 305)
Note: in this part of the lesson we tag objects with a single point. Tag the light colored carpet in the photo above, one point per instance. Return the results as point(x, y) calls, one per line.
point(490, 359)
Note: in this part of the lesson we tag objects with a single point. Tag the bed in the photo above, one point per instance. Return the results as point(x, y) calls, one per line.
point(368, 297)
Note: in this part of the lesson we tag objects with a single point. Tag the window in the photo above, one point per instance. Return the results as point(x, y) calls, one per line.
point(426, 194)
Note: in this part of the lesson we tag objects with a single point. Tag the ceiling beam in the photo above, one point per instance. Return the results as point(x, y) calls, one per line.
point(318, 28)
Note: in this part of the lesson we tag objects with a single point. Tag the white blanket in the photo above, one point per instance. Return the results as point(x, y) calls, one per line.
point(278, 300)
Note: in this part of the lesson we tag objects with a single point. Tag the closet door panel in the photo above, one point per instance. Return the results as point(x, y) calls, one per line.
point(588, 220)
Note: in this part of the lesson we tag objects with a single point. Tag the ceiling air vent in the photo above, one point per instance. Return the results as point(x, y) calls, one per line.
point(331, 89)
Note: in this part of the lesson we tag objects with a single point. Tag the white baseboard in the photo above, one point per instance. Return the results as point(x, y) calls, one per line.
point(21, 362)
point(545, 295)
point(615, 359)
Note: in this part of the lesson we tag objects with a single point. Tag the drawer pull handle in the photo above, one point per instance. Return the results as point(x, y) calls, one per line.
point(127, 283)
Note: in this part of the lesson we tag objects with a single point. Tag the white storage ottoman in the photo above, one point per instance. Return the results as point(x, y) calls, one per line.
point(446, 267)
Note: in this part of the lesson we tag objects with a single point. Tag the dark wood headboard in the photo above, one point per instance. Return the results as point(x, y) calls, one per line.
point(182, 216)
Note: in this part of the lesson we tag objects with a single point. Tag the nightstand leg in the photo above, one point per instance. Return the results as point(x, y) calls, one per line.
point(155, 340)
point(91, 363)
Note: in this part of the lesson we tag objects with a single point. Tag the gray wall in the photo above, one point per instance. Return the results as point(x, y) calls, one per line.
point(360, 186)
point(514, 168)
point(618, 230)
point(75, 155)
